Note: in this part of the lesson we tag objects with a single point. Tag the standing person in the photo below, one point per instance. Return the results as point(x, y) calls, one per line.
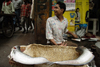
point(77, 16)
point(56, 26)
point(25, 13)
point(30, 20)
point(17, 6)
point(8, 8)
point(32, 13)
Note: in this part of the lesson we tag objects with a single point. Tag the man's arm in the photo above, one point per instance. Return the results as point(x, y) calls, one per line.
point(52, 40)
point(74, 35)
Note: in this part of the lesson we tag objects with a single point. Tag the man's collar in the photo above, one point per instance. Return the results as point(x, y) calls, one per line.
point(56, 18)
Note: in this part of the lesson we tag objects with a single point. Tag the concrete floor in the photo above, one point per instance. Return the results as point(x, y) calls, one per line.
point(24, 39)
point(7, 43)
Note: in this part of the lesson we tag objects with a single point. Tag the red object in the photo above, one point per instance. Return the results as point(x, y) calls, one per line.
point(7, 3)
point(14, 47)
point(25, 10)
point(93, 36)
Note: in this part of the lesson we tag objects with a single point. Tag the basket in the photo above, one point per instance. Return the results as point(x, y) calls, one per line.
point(52, 53)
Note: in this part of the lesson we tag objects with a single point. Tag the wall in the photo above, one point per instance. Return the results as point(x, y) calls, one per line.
point(83, 5)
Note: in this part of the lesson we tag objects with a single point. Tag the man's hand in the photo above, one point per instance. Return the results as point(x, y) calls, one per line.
point(63, 44)
point(75, 36)
point(52, 40)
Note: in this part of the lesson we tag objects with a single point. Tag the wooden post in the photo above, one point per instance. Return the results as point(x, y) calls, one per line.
point(41, 13)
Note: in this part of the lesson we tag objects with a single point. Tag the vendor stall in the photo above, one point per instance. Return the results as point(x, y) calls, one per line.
point(38, 55)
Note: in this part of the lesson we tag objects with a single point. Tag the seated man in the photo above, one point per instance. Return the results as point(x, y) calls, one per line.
point(56, 26)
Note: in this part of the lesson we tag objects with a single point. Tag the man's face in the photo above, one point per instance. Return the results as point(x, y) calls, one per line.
point(57, 10)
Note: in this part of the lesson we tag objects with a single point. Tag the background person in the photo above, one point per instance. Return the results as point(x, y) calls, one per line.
point(77, 16)
point(30, 21)
point(8, 8)
point(25, 10)
point(32, 14)
point(17, 6)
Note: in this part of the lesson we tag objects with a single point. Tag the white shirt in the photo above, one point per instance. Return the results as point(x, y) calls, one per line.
point(55, 29)
point(32, 10)
point(8, 9)
point(17, 3)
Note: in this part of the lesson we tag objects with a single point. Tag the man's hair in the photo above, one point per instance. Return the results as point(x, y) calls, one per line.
point(62, 5)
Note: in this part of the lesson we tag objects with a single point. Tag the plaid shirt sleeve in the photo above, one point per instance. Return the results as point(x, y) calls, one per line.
point(23, 10)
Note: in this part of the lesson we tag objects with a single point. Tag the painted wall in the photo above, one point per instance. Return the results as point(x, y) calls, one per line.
point(83, 5)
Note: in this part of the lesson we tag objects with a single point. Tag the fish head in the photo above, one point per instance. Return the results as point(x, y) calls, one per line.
point(13, 52)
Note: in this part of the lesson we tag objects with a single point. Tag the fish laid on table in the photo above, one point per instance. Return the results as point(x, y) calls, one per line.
point(22, 58)
point(18, 56)
point(85, 57)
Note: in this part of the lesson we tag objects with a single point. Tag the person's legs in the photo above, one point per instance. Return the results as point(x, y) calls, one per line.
point(18, 18)
point(27, 23)
point(33, 22)
point(14, 21)
point(23, 23)
point(30, 23)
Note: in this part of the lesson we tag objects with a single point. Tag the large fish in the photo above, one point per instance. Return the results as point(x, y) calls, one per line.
point(85, 57)
point(22, 58)
point(18, 56)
